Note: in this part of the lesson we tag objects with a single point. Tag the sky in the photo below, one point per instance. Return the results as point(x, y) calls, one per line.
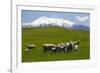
point(76, 17)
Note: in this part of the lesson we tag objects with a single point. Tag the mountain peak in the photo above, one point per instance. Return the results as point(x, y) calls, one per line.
point(51, 21)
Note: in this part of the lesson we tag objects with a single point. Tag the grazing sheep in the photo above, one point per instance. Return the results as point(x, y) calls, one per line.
point(61, 47)
point(72, 45)
point(30, 46)
point(66, 46)
point(54, 50)
point(75, 47)
point(69, 47)
point(49, 47)
point(77, 42)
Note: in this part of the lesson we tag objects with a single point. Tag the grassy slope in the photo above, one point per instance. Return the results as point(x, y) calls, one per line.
point(54, 35)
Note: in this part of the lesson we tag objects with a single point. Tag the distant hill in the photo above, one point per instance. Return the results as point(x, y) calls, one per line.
point(81, 27)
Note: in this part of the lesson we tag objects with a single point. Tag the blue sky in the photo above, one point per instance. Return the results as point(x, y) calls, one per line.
point(76, 17)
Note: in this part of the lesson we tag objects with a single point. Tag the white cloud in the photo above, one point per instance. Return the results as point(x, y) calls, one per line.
point(29, 23)
point(82, 18)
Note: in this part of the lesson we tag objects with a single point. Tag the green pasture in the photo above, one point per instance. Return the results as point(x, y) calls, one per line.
point(55, 35)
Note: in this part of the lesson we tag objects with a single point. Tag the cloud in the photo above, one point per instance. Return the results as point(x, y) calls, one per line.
point(82, 18)
point(28, 23)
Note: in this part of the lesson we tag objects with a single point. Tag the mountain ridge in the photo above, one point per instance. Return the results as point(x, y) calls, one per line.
point(45, 22)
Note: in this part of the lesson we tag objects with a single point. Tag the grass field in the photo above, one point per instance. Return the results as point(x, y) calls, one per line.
point(55, 35)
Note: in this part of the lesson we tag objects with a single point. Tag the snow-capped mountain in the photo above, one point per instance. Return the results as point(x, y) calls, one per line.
point(45, 22)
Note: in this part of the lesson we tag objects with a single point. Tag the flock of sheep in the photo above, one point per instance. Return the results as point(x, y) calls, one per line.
point(62, 47)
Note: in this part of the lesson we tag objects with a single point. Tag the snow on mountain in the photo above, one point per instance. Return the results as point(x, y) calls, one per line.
point(45, 21)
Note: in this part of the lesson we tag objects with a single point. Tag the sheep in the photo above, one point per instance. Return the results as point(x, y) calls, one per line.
point(72, 45)
point(49, 47)
point(69, 46)
point(66, 46)
point(30, 46)
point(77, 42)
point(60, 47)
point(76, 45)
